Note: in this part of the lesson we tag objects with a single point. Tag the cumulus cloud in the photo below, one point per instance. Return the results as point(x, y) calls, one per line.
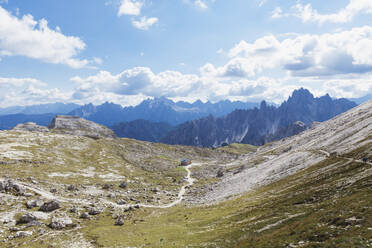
point(307, 14)
point(130, 7)
point(27, 91)
point(34, 39)
point(144, 23)
point(344, 52)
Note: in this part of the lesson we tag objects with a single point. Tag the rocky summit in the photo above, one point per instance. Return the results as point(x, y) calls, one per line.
point(77, 126)
point(31, 127)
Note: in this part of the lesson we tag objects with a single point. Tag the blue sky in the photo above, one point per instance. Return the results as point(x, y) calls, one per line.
point(127, 50)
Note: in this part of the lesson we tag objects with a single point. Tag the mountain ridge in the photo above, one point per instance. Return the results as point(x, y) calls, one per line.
point(256, 126)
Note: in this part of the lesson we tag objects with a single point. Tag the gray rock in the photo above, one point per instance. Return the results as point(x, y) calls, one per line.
point(71, 187)
point(94, 211)
point(12, 187)
point(119, 222)
point(84, 215)
point(34, 223)
point(23, 234)
point(106, 186)
point(31, 127)
point(26, 218)
point(50, 206)
point(121, 202)
point(123, 185)
point(34, 203)
point(2, 186)
point(60, 223)
point(220, 173)
point(80, 127)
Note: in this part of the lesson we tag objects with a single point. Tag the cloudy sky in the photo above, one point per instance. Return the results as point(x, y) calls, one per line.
point(125, 51)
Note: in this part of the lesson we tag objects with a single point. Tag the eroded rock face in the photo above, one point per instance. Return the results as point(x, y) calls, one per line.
point(31, 127)
point(80, 127)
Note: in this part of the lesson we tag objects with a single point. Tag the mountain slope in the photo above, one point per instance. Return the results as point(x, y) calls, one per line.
point(289, 193)
point(142, 130)
point(258, 126)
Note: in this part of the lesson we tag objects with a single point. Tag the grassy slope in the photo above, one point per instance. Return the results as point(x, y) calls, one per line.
point(316, 206)
point(312, 206)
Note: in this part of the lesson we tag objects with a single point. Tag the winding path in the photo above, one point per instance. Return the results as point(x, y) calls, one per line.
point(190, 181)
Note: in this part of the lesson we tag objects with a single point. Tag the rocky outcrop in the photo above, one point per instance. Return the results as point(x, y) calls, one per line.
point(31, 127)
point(288, 131)
point(80, 127)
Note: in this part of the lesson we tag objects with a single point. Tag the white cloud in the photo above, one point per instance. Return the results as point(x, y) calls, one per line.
point(344, 52)
point(34, 39)
point(98, 61)
point(130, 7)
point(144, 23)
point(19, 82)
point(199, 4)
point(307, 14)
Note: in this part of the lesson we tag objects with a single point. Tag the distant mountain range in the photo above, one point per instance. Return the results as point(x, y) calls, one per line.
point(260, 125)
point(58, 107)
point(10, 121)
point(158, 110)
point(196, 124)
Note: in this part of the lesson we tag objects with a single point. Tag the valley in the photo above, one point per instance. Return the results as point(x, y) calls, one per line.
point(309, 190)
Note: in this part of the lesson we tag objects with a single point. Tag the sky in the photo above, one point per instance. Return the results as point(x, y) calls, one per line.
point(125, 51)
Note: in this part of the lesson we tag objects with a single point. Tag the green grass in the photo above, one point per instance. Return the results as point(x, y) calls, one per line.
point(309, 206)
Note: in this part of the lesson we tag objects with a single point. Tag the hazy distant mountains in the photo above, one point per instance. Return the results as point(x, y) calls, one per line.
point(196, 124)
point(158, 110)
point(61, 108)
point(260, 125)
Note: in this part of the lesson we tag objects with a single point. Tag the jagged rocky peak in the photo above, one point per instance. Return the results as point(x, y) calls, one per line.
point(74, 125)
point(31, 127)
point(301, 95)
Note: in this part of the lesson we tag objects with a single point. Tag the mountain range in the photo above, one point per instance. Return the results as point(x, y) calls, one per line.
point(158, 110)
point(260, 125)
point(62, 108)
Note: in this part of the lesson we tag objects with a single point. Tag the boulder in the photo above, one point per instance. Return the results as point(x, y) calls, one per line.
point(94, 211)
point(123, 185)
point(84, 215)
point(34, 203)
point(119, 222)
point(26, 218)
point(50, 206)
point(59, 223)
point(30, 127)
point(23, 234)
point(77, 126)
point(12, 187)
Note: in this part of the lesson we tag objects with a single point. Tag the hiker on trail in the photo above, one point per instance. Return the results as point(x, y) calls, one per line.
point(365, 160)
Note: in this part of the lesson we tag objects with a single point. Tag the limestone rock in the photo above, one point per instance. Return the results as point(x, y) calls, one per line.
point(31, 127)
point(50, 206)
point(60, 223)
point(34, 203)
point(26, 218)
point(80, 127)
